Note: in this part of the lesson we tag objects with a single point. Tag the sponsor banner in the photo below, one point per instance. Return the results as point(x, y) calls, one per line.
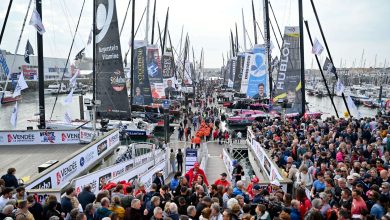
point(187, 73)
point(39, 137)
point(266, 186)
point(169, 88)
point(86, 136)
point(153, 62)
point(247, 67)
point(110, 78)
point(157, 90)
point(65, 172)
point(288, 82)
point(191, 158)
point(258, 77)
point(239, 71)
point(232, 71)
point(168, 65)
point(142, 94)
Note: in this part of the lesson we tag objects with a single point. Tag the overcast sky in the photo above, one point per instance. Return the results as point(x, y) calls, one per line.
point(349, 25)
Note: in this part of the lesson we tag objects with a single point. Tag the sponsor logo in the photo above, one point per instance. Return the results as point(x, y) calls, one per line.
point(82, 161)
point(47, 137)
point(102, 147)
point(118, 82)
point(112, 140)
point(67, 137)
point(65, 172)
point(88, 157)
point(20, 138)
point(45, 184)
point(86, 135)
point(1, 139)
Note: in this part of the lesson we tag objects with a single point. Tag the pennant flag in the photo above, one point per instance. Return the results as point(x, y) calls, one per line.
point(329, 67)
point(317, 47)
point(20, 86)
point(28, 51)
point(90, 37)
point(80, 54)
point(14, 116)
point(352, 107)
point(72, 81)
point(67, 118)
point(36, 21)
point(69, 98)
point(339, 87)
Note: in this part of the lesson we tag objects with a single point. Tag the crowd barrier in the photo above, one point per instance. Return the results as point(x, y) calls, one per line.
point(81, 161)
point(33, 137)
point(227, 160)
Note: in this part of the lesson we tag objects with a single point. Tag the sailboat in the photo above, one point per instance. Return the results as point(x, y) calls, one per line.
point(8, 96)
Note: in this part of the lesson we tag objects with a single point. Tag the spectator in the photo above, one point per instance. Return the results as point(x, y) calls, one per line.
point(10, 179)
point(86, 196)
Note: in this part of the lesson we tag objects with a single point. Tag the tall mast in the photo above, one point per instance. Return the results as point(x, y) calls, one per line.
point(165, 31)
point(132, 53)
point(243, 28)
point(236, 40)
point(232, 41)
point(267, 44)
point(254, 22)
point(153, 22)
point(302, 50)
point(41, 80)
point(5, 23)
point(147, 22)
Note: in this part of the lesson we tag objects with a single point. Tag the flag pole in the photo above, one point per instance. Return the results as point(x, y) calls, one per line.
point(16, 50)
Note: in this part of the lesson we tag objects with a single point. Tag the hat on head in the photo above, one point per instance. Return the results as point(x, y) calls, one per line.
point(366, 176)
point(255, 179)
point(196, 164)
point(224, 174)
point(234, 162)
point(256, 187)
point(275, 182)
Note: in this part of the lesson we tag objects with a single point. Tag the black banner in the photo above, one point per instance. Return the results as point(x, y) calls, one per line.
point(239, 71)
point(110, 79)
point(141, 91)
point(288, 83)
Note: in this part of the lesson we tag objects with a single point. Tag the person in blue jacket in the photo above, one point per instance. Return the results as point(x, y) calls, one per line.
point(10, 179)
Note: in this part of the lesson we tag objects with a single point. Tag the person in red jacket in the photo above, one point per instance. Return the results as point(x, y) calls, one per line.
point(305, 203)
point(192, 174)
point(222, 181)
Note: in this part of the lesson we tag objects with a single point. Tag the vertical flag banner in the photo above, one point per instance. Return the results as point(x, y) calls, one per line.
point(245, 73)
point(352, 107)
point(239, 70)
point(153, 62)
point(69, 98)
point(232, 71)
point(168, 74)
point(288, 81)
point(339, 87)
point(187, 73)
point(258, 77)
point(110, 79)
point(141, 91)
point(36, 21)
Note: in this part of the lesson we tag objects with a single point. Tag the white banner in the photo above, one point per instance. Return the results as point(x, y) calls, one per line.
point(228, 163)
point(62, 174)
point(105, 175)
point(39, 137)
point(245, 73)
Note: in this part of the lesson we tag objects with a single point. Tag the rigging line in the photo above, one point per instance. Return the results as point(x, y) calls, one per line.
point(258, 26)
point(16, 50)
point(136, 31)
point(67, 60)
point(124, 20)
point(276, 21)
point(72, 22)
point(276, 37)
point(5, 20)
point(246, 31)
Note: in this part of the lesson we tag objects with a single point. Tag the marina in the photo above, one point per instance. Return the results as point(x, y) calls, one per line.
point(128, 116)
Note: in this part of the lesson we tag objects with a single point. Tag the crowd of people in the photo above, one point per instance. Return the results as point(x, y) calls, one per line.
point(339, 170)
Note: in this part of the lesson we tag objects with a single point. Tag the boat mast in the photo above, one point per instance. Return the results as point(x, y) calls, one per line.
point(254, 22)
point(302, 50)
point(267, 44)
point(5, 22)
point(327, 49)
point(237, 49)
point(322, 73)
point(154, 21)
point(243, 28)
point(41, 80)
point(147, 22)
point(132, 53)
point(165, 32)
